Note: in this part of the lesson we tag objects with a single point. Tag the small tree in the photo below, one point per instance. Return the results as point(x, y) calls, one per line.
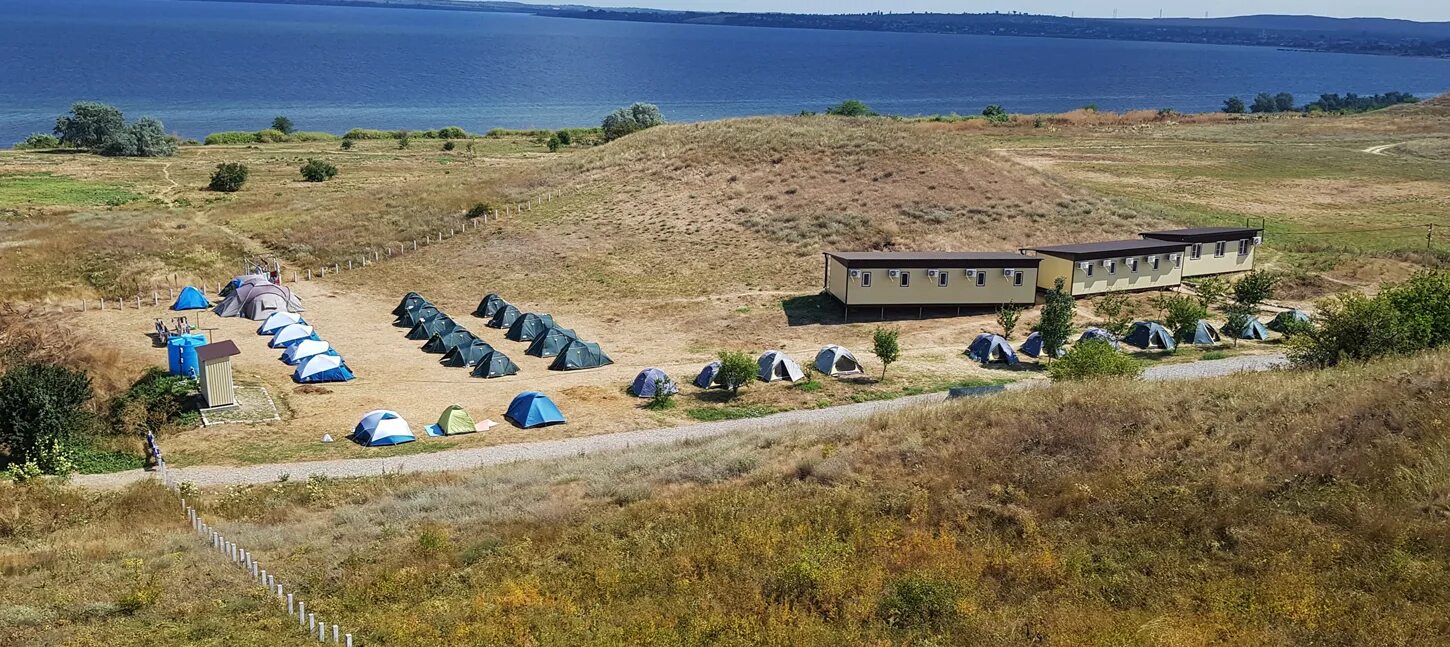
point(316, 170)
point(282, 124)
point(1234, 106)
point(1113, 309)
point(633, 119)
point(1007, 317)
point(1056, 325)
point(736, 370)
point(1211, 291)
point(89, 125)
point(1238, 320)
point(1181, 314)
point(1255, 288)
point(1094, 358)
point(40, 407)
point(851, 108)
point(228, 177)
point(885, 343)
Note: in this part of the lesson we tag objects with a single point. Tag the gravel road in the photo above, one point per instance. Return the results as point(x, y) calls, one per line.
point(462, 459)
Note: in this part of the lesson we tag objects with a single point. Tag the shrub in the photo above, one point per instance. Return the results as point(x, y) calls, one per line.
point(736, 370)
point(38, 141)
point(851, 108)
point(886, 345)
point(633, 119)
point(40, 409)
point(916, 602)
point(1092, 359)
point(282, 125)
point(228, 177)
point(316, 170)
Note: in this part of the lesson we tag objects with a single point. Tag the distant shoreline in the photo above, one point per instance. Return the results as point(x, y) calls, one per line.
point(1371, 36)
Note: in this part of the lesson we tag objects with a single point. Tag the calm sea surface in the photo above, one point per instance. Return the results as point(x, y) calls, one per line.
point(209, 66)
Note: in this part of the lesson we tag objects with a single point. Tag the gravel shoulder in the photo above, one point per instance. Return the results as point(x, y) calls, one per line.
point(463, 459)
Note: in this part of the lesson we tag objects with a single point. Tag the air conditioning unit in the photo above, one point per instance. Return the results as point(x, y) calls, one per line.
point(971, 272)
point(931, 273)
point(893, 273)
point(1258, 240)
point(855, 273)
point(1007, 271)
point(1084, 266)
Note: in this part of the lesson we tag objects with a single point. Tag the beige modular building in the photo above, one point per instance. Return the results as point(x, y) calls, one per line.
point(1213, 250)
point(1111, 266)
point(930, 280)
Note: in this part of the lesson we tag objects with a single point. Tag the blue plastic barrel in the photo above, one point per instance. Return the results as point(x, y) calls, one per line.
point(181, 351)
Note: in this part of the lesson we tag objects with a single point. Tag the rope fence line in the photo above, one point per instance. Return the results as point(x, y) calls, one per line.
point(372, 256)
point(246, 560)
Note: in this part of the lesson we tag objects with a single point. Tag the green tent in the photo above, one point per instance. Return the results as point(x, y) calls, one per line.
point(453, 422)
point(578, 355)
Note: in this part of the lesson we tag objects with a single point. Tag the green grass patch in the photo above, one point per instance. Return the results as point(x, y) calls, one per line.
point(736, 412)
point(48, 189)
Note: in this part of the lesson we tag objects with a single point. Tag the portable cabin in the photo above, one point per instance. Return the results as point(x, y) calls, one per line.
point(930, 280)
point(215, 377)
point(1111, 266)
point(1213, 250)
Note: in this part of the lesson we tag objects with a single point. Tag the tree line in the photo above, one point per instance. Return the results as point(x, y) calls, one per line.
point(1265, 103)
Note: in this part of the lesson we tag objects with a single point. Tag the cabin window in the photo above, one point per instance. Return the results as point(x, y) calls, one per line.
point(1133, 265)
point(865, 279)
point(1153, 261)
point(1218, 248)
point(941, 279)
point(1195, 251)
point(981, 278)
point(1017, 279)
point(905, 279)
point(1244, 246)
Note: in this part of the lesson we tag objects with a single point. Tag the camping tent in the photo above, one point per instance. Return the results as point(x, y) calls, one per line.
point(1033, 346)
point(1204, 334)
point(442, 343)
point(1254, 329)
point(190, 299)
point(707, 377)
point(551, 342)
point(577, 355)
point(529, 326)
point(411, 317)
point(322, 368)
point(991, 348)
point(504, 317)
point(1149, 335)
point(774, 365)
point(382, 428)
point(438, 324)
point(489, 305)
point(292, 334)
point(465, 355)
point(651, 382)
point(453, 422)
point(278, 321)
point(1100, 335)
point(299, 352)
point(533, 409)
point(1282, 321)
point(410, 301)
point(834, 360)
point(494, 364)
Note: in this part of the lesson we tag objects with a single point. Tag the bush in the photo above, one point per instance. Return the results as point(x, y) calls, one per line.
point(316, 170)
point(851, 108)
point(40, 410)
point(916, 602)
point(633, 119)
point(1092, 359)
point(736, 370)
point(228, 177)
point(38, 141)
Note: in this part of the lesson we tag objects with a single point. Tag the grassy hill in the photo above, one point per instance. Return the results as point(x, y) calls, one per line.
point(1288, 508)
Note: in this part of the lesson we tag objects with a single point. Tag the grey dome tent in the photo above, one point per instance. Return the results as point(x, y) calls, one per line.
point(1282, 321)
point(435, 325)
point(410, 301)
point(652, 382)
point(528, 326)
point(1150, 334)
point(489, 305)
point(1254, 329)
point(1204, 334)
point(504, 318)
point(465, 355)
point(441, 344)
point(421, 312)
point(707, 376)
point(579, 355)
point(834, 360)
point(551, 342)
point(495, 364)
point(988, 348)
point(1100, 335)
point(1033, 347)
point(775, 365)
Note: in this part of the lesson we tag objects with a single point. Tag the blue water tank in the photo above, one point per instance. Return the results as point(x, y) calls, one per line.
point(181, 351)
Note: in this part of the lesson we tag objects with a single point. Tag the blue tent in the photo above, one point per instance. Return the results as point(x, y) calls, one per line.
point(533, 409)
point(1033, 346)
point(1204, 334)
point(190, 299)
point(651, 382)
point(1150, 334)
point(1100, 335)
point(706, 378)
point(991, 348)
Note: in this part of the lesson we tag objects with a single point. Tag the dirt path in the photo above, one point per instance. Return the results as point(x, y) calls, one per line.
point(623, 441)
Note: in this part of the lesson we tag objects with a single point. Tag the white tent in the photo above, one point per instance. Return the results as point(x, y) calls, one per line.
point(278, 321)
point(300, 351)
point(774, 365)
point(834, 360)
point(381, 428)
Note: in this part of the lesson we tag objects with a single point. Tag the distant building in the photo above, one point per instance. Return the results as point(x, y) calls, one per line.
point(1213, 250)
point(1111, 266)
point(930, 280)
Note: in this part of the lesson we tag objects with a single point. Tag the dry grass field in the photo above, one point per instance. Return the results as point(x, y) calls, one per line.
point(680, 241)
